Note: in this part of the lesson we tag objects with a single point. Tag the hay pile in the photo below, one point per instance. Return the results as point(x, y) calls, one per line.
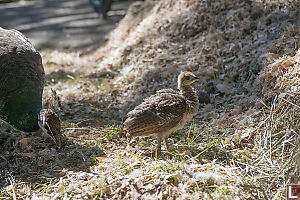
point(228, 44)
point(245, 141)
point(247, 55)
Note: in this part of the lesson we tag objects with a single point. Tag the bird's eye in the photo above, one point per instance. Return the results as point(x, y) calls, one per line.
point(187, 78)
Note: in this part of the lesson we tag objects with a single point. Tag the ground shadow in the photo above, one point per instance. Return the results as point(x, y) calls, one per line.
point(61, 25)
point(33, 158)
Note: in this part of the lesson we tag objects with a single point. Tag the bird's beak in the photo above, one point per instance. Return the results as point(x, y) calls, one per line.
point(196, 78)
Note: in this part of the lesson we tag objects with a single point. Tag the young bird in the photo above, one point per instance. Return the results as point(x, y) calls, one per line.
point(48, 119)
point(164, 112)
point(50, 124)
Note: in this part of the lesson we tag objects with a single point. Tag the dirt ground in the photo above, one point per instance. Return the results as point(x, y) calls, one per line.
point(61, 25)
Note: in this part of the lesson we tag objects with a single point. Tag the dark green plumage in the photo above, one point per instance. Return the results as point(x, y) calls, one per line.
point(21, 81)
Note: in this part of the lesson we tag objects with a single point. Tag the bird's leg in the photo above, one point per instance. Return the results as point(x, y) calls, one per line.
point(159, 145)
point(167, 144)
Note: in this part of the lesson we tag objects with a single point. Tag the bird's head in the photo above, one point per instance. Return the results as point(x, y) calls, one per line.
point(186, 78)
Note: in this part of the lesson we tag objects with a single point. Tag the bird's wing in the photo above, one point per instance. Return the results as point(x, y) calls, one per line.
point(52, 122)
point(156, 114)
point(169, 91)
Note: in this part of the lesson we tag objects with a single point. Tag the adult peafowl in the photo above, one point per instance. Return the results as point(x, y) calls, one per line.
point(21, 81)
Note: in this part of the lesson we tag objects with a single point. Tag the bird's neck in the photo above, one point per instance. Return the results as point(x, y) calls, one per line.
point(189, 93)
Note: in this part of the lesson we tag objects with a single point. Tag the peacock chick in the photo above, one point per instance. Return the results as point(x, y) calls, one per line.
point(164, 112)
point(50, 124)
point(48, 119)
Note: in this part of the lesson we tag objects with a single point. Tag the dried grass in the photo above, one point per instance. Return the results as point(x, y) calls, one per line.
point(245, 143)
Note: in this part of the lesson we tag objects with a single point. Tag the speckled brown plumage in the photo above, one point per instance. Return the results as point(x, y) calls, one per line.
point(164, 112)
point(50, 123)
point(53, 102)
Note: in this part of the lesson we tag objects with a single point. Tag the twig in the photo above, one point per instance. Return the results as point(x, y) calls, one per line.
point(291, 103)
point(13, 188)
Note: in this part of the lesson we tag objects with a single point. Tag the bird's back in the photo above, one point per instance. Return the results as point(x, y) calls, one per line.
point(21, 80)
